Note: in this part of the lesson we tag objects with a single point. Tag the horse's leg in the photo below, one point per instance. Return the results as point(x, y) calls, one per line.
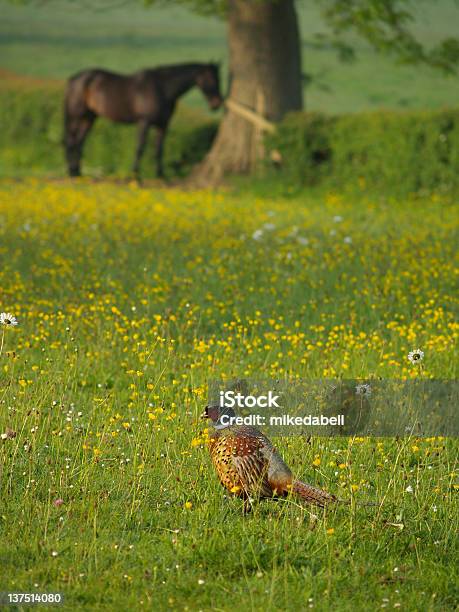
point(85, 126)
point(160, 135)
point(77, 132)
point(141, 142)
point(71, 153)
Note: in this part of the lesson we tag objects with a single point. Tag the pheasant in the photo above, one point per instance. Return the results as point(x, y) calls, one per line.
point(249, 466)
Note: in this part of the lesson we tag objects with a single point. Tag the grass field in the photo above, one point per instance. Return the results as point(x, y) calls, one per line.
point(57, 38)
point(129, 300)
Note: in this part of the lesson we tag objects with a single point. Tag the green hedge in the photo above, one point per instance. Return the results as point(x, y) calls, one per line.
point(397, 152)
point(407, 152)
point(31, 125)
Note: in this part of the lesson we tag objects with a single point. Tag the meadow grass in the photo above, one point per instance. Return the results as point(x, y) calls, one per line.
point(58, 38)
point(129, 301)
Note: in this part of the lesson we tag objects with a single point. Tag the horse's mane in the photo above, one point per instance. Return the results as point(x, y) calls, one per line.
point(173, 69)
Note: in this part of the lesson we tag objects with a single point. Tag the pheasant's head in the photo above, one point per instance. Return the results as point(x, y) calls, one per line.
point(215, 412)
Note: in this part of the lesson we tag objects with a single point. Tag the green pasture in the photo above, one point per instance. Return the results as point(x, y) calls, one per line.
point(129, 301)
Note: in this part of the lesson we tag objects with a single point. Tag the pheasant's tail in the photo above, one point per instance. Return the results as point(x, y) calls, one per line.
point(311, 494)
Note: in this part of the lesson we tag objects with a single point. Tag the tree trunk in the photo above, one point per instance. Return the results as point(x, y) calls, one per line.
point(265, 77)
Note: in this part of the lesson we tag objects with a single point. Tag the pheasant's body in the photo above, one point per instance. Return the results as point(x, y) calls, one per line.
point(249, 466)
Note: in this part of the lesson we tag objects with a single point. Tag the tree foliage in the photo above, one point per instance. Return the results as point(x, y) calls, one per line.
point(385, 25)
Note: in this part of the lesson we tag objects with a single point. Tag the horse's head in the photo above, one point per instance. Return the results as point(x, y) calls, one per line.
point(208, 81)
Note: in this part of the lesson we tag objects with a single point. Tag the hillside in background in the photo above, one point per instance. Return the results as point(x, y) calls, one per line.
point(59, 38)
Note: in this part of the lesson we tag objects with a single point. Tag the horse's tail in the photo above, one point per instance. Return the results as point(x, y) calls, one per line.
point(75, 98)
point(66, 113)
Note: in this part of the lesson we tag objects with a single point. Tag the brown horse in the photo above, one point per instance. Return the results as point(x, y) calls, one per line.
point(147, 98)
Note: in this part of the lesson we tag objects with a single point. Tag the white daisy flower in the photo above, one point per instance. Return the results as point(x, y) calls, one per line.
point(302, 240)
point(348, 240)
point(269, 227)
point(337, 219)
point(7, 319)
point(257, 234)
point(415, 356)
point(409, 489)
point(363, 389)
